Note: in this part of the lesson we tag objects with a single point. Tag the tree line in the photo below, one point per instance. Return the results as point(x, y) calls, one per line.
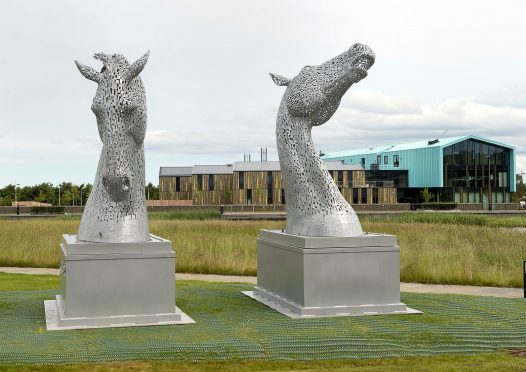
point(70, 193)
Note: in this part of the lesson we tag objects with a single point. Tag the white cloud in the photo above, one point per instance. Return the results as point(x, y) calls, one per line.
point(376, 102)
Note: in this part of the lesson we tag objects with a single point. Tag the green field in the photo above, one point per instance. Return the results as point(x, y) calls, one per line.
point(454, 333)
point(435, 248)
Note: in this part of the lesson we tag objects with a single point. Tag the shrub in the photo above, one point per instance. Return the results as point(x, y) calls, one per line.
point(47, 210)
point(439, 206)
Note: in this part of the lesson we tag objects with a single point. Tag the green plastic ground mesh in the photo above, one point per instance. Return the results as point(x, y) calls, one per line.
point(233, 326)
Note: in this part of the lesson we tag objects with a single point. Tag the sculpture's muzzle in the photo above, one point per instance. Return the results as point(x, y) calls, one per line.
point(117, 187)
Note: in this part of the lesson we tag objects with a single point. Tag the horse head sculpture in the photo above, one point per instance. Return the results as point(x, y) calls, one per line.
point(116, 210)
point(315, 206)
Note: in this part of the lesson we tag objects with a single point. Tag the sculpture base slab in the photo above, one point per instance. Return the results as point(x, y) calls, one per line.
point(56, 321)
point(304, 277)
point(115, 285)
point(295, 311)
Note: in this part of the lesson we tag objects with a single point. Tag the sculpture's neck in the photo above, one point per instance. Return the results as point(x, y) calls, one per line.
point(304, 175)
point(315, 206)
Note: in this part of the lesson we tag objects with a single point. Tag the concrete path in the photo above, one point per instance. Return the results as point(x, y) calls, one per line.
point(404, 287)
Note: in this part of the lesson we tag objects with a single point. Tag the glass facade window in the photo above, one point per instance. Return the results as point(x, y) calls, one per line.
point(473, 164)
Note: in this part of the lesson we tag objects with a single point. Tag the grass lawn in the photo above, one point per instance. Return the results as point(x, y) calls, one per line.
point(234, 332)
point(499, 361)
point(435, 247)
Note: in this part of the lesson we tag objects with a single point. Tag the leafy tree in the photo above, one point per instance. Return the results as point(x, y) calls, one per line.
point(152, 190)
point(75, 195)
point(426, 195)
point(65, 197)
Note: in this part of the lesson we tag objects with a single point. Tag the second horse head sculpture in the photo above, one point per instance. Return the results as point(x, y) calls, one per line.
point(315, 206)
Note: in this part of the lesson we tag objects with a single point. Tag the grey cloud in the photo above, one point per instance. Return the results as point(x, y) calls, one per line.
point(515, 96)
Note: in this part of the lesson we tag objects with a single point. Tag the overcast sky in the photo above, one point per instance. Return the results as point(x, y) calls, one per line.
point(443, 68)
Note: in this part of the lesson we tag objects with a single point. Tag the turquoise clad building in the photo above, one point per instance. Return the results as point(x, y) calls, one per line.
point(465, 169)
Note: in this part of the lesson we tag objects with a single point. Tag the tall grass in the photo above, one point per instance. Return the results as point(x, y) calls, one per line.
point(204, 214)
point(447, 219)
point(457, 254)
point(438, 252)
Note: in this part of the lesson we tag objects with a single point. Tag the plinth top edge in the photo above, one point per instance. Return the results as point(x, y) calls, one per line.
point(72, 239)
point(365, 240)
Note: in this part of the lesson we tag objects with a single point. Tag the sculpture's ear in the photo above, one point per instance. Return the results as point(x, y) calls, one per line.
point(280, 80)
point(88, 72)
point(137, 66)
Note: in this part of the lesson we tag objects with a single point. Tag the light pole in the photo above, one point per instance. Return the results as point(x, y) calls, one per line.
point(59, 195)
point(81, 195)
point(16, 184)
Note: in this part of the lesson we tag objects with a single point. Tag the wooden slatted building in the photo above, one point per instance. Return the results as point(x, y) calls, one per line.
point(259, 183)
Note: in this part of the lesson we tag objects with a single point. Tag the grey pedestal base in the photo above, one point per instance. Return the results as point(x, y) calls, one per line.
point(305, 277)
point(115, 285)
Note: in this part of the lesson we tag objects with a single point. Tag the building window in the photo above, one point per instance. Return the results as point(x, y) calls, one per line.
point(282, 196)
point(375, 195)
point(241, 180)
point(378, 159)
point(340, 180)
point(249, 196)
point(211, 182)
point(364, 196)
point(270, 180)
point(362, 161)
point(199, 182)
point(355, 196)
point(177, 184)
point(270, 199)
point(396, 162)
point(386, 159)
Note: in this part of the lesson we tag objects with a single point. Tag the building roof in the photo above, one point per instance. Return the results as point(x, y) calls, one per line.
point(261, 166)
point(213, 169)
point(175, 171)
point(336, 165)
point(248, 166)
point(442, 142)
point(256, 166)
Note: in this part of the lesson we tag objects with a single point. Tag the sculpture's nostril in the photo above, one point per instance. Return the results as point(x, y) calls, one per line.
point(117, 187)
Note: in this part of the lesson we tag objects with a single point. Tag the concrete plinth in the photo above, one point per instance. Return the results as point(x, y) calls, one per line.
point(302, 276)
point(115, 285)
